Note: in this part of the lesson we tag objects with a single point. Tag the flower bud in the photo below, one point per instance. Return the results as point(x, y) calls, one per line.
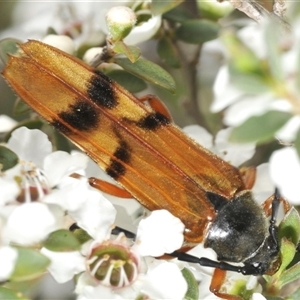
point(62, 42)
point(120, 21)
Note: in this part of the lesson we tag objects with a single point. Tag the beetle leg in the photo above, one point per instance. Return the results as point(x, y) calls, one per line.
point(156, 104)
point(217, 281)
point(268, 204)
point(109, 188)
point(248, 175)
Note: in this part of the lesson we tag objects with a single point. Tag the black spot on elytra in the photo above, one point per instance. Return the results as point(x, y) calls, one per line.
point(153, 121)
point(60, 127)
point(81, 115)
point(122, 155)
point(100, 90)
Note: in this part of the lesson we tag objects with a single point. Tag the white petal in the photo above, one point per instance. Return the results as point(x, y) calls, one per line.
point(96, 216)
point(288, 132)
point(165, 281)
point(159, 233)
point(60, 164)
point(285, 173)
point(29, 223)
point(30, 145)
point(64, 265)
point(200, 135)
point(143, 32)
point(239, 112)
point(225, 93)
point(8, 258)
point(234, 153)
point(258, 296)
point(7, 123)
point(9, 191)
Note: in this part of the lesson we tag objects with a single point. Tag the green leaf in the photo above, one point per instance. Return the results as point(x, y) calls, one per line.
point(131, 52)
point(197, 31)
point(290, 226)
point(127, 80)
point(8, 158)
point(260, 128)
point(81, 235)
point(249, 82)
point(295, 295)
point(178, 14)
point(193, 290)
point(287, 250)
point(273, 35)
point(159, 7)
point(10, 46)
point(62, 241)
point(297, 142)
point(290, 275)
point(148, 71)
point(168, 52)
point(242, 59)
point(30, 264)
point(7, 294)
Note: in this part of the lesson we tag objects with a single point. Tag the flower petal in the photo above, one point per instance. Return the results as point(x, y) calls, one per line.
point(159, 233)
point(30, 145)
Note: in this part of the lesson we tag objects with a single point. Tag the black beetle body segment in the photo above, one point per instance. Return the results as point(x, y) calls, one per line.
point(239, 229)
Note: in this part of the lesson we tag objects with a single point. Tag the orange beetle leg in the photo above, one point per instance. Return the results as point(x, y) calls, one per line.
point(216, 284)
point(267, 205)
point(157, 105)
point(109, 188)
point(249, 175)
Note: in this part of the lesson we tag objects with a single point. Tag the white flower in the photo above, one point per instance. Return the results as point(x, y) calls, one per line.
point(159, 233)
point(164, 281)
point(285, 173)
point(29, 224)
point(30, 145)
point(8, 258)
point(64, 265)
point(234, 153)
point(9, 191)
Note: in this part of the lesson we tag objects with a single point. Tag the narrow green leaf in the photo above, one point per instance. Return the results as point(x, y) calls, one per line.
point(260, 128)
point(197, 31)
point(178, 14)
point(148, 71)
point(295, 295)
point(8, 158)
point(62, 241)
point(297, 142)
point(287, 250)
point(7, 294)
point(273, 34)
point(290, 226)
point(193, 290)
point(127, 80)
point(290, 275)
point(159, 7)
point(131, 52)
point(30, 264)
point(168, 53)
